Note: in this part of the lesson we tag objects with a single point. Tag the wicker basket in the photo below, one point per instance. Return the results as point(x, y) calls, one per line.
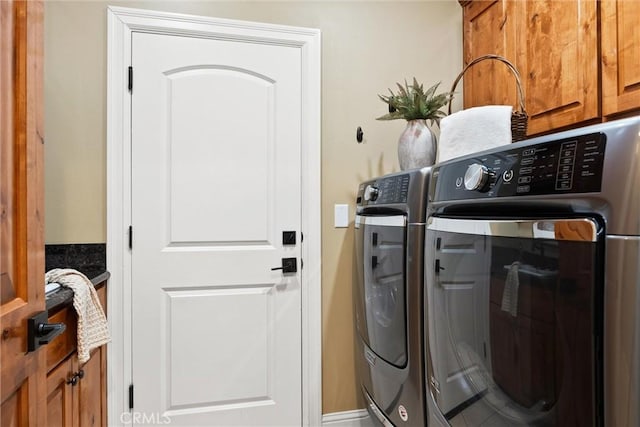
point(519, 118)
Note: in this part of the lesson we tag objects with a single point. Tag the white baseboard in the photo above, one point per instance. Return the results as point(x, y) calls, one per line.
point(356, 418)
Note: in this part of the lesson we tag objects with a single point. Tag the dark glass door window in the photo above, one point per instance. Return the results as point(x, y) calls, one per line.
point(380, 288)
point(513, 321)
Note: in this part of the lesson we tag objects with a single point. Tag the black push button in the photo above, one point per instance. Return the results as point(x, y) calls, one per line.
point(288, 238)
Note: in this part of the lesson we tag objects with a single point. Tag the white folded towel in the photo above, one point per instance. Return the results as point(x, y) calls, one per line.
point(51, 287)
point(474, 129)
point(92, 323)
point(511, 289)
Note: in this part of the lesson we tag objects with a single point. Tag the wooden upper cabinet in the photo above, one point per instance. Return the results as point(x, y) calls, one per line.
point(488, 29)
point(558, 55)
point(620, 55)
point(554, 46)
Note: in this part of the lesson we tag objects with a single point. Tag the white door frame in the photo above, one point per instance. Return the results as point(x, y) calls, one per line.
point(122, 22)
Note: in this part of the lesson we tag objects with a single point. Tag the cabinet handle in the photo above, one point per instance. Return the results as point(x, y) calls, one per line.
point(76, 377)
point(73, 380)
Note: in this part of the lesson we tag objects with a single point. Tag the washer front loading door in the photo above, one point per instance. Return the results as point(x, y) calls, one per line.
point(381, 287)
point(513, 309)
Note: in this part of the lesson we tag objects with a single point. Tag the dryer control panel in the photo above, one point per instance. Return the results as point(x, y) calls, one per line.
point(571, 165)
point(384, 191)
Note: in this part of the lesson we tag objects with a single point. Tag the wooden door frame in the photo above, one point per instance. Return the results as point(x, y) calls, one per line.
point(122, 22)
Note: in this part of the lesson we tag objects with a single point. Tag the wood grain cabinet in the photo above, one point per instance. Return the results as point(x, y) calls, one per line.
point(76, 394)
point(558, 57)
point(556, 47)
point(620, 35)
point(488, 30)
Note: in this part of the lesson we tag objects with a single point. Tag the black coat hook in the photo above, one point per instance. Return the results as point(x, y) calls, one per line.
point(359, 134)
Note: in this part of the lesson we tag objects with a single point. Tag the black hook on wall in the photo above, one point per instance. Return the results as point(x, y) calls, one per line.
point(359, 134)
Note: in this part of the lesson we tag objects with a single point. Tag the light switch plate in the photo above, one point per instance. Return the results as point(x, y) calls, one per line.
point(341, 216)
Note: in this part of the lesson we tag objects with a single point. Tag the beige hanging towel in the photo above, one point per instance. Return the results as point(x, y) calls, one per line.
point(92, 323)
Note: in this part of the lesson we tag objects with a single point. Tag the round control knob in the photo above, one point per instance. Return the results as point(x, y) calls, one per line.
point(371, 193)
point(476, 177)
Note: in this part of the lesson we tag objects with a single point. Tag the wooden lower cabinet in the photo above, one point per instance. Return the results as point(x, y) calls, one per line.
point(76, 394)
point(92, 396)
point(60, 395)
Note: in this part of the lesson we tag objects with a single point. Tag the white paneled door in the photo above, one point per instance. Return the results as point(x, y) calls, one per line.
point(216, 334)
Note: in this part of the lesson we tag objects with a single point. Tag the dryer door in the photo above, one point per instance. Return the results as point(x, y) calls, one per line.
point(380, 288)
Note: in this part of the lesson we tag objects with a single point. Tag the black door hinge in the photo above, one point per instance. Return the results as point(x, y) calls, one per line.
point(131, 396)
point(130, 85)
point(130, 237)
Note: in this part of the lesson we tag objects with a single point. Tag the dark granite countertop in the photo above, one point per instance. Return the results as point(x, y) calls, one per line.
point(55, 301)
point(88, 258)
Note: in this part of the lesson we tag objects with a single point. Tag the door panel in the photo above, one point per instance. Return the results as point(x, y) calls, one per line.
point(620, 56)
point(60, 396)
point(215, 181)
point(242, 369)
point(91, 390)
point(488, 29)
point(206, 146)
point(560, 60)
point(23, 376)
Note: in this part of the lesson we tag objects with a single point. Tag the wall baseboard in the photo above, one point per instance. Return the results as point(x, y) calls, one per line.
point(355, 418)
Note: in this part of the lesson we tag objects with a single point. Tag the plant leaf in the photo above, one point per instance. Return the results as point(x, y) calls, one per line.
point(412, 102)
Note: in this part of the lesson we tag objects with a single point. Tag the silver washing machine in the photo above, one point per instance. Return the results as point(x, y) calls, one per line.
point(388, 296)
point(533, 282)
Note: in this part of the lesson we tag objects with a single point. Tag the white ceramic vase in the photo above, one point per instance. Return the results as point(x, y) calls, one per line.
point(417, 145)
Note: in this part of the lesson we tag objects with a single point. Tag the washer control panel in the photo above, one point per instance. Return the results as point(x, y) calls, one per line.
point(384, 191)
point(572, 165)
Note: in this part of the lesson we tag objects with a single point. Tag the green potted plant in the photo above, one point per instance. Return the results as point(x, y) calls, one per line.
point(417, 143)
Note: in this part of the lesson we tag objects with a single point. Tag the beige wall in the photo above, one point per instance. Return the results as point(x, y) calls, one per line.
point(367, 47)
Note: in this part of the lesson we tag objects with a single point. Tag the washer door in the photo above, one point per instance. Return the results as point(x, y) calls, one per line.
point(514, 320)
point(380, 288)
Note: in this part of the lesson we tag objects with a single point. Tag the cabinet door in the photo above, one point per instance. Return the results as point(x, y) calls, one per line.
point(93, 390)
point(60, 396)
point(620, 55)
point(558, 57)
point(489, 28)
